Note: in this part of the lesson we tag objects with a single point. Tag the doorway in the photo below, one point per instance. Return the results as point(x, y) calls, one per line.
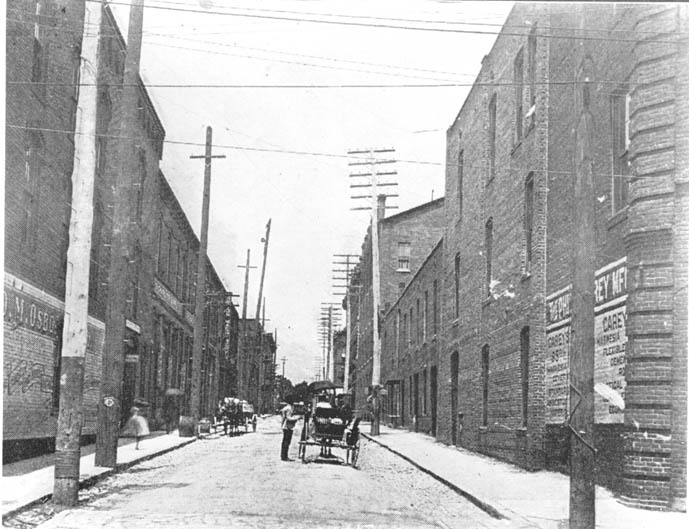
point(454, 384)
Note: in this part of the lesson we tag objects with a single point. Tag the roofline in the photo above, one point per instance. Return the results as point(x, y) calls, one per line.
point(415, 209)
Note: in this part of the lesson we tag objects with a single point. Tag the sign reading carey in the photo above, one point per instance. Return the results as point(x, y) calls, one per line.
point(20, 309)
point(610, 336)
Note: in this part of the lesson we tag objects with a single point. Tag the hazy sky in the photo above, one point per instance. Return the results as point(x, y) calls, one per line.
point(306, 192)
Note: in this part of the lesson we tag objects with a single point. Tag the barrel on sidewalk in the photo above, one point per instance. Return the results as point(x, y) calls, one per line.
point(187, 427)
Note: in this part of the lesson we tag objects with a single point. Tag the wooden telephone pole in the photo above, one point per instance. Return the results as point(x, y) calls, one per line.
point(243, 382)
point(348, 287)
point(110, 404)
point(259, 326)
point(74, 334)
point(197, 347)
point(373, 175)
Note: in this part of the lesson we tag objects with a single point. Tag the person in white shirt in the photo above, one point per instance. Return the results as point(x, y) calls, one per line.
point(289, 420)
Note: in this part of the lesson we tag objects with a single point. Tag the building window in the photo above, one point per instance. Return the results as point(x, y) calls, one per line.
point(524, 354)
point(621, 167)
point(518, 94)
point(425, 316)
point(405, 335)
point(460, 182)
point(488, 248)
point(400, 288)
point(397, 337)
point(532, 76)
point(528, 221)
point(435, 307)
point(411, 325)
point(37, 65)
point(492, 115)
point(484, 384)
point(419, 322)
point(424, 403)
point(32, 171)
point(457, 263)
point(403, 256)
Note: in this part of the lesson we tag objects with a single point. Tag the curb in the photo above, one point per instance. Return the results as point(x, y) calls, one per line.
point(92, 480)
point(486, 507)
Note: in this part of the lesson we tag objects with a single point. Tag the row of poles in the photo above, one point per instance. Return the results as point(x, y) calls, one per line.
point(367, 167)
point(71, 416)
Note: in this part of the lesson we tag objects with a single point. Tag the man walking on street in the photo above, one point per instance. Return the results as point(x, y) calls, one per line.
point(288, 422)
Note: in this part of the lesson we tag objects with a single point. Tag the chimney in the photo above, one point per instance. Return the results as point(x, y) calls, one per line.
point(381, 207)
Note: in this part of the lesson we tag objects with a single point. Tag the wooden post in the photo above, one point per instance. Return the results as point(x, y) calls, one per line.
point(75, 330)
point(110, 404)
point(200, 305)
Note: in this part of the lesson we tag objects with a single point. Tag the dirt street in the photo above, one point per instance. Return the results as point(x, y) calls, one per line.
point(241, 482)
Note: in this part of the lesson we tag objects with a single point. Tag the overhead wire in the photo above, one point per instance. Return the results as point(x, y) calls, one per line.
point(384, 26)
point(304, 153)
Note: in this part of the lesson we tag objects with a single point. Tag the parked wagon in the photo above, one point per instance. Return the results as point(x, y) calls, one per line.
point(329, 423)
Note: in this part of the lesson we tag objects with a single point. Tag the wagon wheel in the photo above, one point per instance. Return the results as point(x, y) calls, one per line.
point(302, 452)
point(354, 456)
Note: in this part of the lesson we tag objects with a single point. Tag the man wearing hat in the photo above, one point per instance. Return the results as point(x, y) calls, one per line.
point(289, 420)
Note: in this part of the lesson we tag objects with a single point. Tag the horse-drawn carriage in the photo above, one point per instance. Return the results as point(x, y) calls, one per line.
point(232, 415)
point(329, 423)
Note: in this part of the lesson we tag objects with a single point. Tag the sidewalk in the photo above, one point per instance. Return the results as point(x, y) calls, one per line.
point(525, 499)
point(23, 488)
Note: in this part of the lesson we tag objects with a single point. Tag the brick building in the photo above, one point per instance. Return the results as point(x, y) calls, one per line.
point(410, 342)
point(405, 240)
point(552, 103)
point(256, 365)
point(43, 58)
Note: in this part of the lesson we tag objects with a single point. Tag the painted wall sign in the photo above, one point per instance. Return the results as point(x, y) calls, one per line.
point(610, 338)
point(19, 309)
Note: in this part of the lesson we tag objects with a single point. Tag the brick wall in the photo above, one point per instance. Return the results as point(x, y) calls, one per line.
point(641, 450)
point(496, 319)
point(420, 226)
point(411, 354)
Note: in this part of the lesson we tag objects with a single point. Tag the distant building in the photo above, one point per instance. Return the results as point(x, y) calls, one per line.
point(405, 240)
point(256, 365)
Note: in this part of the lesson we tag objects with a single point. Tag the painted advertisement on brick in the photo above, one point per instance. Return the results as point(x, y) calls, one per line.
point(31, 353)
point(610, 338)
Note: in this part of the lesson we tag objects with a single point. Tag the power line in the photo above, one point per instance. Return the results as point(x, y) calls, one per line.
point(302, 153)
point(380, 26)
point(334, 85)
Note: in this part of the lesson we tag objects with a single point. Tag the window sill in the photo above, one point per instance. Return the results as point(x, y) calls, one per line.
point(618, 217)
point(403, 270)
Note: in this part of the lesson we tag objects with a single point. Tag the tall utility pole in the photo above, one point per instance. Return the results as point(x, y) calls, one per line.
point(582, 489)
point(74, 333)
point(348, 264)
point(109, 406)
point(329, 317)
point(259, 327)
point(200, 301)
point(282, 380)
point(373, 175)
point(243, 384)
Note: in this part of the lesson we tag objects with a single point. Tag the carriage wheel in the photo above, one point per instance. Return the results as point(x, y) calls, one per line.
point(302, 452)
point(354, 456)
